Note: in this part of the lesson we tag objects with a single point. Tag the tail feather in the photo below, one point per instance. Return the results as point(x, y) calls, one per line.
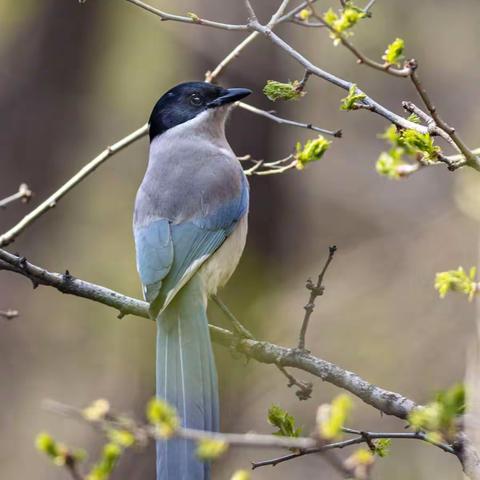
point(187, 379)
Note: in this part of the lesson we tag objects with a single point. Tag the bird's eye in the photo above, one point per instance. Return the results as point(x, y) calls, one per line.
point(195, 99)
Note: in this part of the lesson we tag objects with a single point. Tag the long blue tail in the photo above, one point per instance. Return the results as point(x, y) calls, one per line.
point(187, 380)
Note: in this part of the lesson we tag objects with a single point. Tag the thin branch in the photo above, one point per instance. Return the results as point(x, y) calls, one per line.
point(303, 82)
point(284, 121)
point(24, 194)
point(278, 14)
point(308, 24)
point(362, 58)
point(433, 128)
point(212, 76)
point(237, 326)
point(148, 431)
point(252, 17)
point(388, 402)
point(218, 70)
point(51, 201)
point(471, 159)
point(369, 6)
point(316, 290)
point(304, 388)
point(371, 104)
point(192, 19)
point(363, 437)
point(262, 168)
point(9, 314)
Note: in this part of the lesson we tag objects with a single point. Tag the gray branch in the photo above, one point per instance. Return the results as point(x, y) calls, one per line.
point(390, 403)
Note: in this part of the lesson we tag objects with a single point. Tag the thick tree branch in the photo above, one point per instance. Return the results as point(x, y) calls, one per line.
point(388, 402)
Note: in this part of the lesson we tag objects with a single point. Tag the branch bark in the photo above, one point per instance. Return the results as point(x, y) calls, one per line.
point(388, 402)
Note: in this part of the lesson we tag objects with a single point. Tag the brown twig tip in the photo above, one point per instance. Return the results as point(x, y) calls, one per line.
point(24, 194)
point(9, 314)
point(316, 290)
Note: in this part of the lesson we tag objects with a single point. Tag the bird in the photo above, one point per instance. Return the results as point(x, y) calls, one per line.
point(190, 229)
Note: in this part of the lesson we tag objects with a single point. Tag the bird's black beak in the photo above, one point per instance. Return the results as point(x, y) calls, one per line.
point(231, 95)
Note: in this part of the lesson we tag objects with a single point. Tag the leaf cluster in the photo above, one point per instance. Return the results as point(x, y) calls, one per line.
point(274, 90)
point(282, 420)
point(439, 418)
point(312, 151)
point(331, 417)
point(457, 281)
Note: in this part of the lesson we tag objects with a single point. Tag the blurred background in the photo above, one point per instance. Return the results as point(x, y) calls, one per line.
point(76, 77)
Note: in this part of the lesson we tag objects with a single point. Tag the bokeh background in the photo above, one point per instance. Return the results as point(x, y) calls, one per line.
point(75, 77)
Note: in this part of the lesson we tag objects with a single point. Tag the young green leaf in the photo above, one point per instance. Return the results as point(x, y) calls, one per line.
point(382, 447)
point(209, 449)
point(312, 151)
point(457, 281)
point(439, 418)
point(305, 14)
point(394, 52)
point(331, 417)
point(123, 438)
point(360, 463)
point(282, 420)
point(58, 453)
point(389, 164)
point(274, 90)
point(341, 23)
point(163, 416)
point(97, 410)
point(353, 97)
point(103, 468)
point(241, 475)
point(422, 143)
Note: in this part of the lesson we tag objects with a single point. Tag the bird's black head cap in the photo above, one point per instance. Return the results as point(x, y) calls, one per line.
point(185, 101)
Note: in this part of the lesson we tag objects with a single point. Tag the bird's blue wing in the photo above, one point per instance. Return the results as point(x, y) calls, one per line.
point(169, 254)
point(154, 248)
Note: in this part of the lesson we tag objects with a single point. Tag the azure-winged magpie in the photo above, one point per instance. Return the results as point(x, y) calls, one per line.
point(190, 226)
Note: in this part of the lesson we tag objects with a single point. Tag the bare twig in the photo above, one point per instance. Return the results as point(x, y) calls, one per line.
point(304, 388)
point(9, 314)
point(51, 201)
point(237, 326)
point(363, 437)
point(369, 6)
point(280, 11)
point(212, 76)
point(315, 291)
point(284, 121)
point(252, 17)
point(24, 194)
point(260, 167)
point(191, 19)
